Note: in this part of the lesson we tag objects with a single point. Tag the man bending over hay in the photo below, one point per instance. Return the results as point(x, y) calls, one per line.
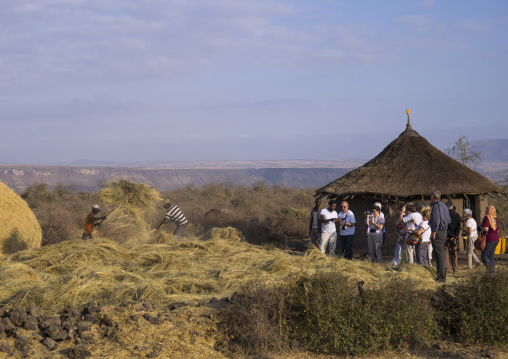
point(174, 214)
point(90, 222)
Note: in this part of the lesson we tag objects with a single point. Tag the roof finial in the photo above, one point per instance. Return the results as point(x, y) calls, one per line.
point(408, 127)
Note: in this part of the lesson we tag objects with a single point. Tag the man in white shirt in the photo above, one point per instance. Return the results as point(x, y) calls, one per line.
point(328, 238)
point(411, 220)
point(347, 230)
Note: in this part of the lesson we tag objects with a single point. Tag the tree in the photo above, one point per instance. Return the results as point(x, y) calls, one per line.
point(464, 152)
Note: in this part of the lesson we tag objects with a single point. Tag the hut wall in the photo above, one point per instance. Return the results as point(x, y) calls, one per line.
point(480, 203)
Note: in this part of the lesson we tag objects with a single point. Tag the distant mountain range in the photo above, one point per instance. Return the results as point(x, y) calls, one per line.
point(89, 176)
point(492, 150)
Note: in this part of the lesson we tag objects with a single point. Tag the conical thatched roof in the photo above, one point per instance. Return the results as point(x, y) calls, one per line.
point(410, 166)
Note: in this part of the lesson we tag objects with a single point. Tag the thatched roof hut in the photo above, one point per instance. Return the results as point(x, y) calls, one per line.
point(409, 169)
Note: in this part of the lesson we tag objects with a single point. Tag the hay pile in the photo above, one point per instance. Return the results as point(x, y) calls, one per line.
point(194, 271)
point(131, 204)
point(20, 229)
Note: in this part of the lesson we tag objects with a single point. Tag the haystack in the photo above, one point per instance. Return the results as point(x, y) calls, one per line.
point(20, 229)
point(132, 203)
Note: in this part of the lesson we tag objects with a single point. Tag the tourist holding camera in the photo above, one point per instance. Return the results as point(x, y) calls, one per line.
point(375, 224)
point(411, 218)
point(347, 230)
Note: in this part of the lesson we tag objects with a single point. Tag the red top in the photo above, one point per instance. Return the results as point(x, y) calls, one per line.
point(492, 235)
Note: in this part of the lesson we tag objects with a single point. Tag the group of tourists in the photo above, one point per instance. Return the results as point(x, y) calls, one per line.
point(424, 233)
point(173, 214)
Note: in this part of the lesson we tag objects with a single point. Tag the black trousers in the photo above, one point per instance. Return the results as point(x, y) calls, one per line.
point(438, 250)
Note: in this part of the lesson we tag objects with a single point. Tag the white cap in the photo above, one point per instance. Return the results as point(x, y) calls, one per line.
point(95, 206)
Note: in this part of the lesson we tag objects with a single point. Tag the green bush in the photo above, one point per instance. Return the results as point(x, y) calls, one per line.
point(327, 314)
point(475, 309)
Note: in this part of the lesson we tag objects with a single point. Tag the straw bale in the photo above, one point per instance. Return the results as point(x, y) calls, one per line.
point(20, 229)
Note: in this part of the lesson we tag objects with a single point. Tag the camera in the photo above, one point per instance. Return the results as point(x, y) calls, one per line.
point(367, 213)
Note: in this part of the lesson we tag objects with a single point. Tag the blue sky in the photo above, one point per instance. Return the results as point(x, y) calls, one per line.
point(176, 80)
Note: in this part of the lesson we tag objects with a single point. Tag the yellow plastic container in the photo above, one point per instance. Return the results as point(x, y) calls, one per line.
point(501, 246)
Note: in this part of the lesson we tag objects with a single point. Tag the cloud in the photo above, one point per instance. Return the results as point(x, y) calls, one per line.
point(50, 43)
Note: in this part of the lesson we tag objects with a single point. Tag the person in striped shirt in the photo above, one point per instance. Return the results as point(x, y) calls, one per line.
point(174, 214)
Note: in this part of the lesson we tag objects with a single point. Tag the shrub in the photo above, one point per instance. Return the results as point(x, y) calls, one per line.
point(254, 320)
point(330, 315)
point(326, 313)
point(475, 309)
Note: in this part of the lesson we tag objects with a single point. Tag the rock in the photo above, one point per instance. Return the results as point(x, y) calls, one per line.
point(86, 337)
point(83, 326)
point(55, 332)
point(487, 354)
point(22, 338)
point(68, 323)
point(214, 301)
point(224, 299)
point(90, 318)
point(71, 312)
point(440, 346)
point(79, 352)
point(34, 310)
point(135, 317)
point(91, 308)
point(48, 321)
point(151, 319)
point(6, 325)
point(177, 305)
point(30, 323)
point(5, 347)
point(17, 316)
point(49, 343)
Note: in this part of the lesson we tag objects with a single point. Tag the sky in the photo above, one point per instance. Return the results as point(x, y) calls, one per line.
point(220, 80)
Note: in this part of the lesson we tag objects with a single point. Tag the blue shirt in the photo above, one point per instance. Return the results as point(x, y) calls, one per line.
point(440, 217)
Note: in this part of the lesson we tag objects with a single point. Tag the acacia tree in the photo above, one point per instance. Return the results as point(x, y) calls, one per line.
point(464, 152)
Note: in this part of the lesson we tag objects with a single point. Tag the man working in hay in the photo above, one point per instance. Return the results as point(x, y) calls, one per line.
point(90, 222)
point(174, 214)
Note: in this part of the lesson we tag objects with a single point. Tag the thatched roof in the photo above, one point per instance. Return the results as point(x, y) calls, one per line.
point(410, 166)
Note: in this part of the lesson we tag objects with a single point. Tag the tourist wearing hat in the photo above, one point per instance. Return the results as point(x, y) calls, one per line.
point(174, 214)
point(90, 222)
point(328, 238)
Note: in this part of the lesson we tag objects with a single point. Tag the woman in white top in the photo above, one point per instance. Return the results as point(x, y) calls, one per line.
point(375, 224)
point(423, 232)
point(472, 234)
